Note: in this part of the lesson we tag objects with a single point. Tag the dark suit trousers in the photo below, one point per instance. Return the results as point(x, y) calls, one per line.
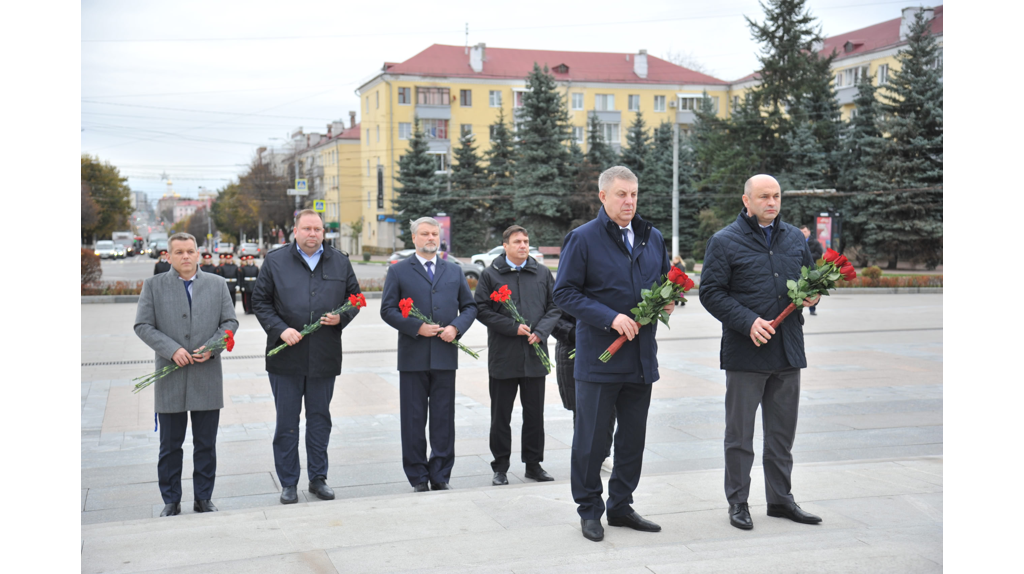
point(289, 391)
point(778, 394)
point(597, 406)
point(204, 453)
point(503, 398)
point(427, 395)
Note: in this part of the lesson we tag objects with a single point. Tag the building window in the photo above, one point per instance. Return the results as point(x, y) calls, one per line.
point(611, 133)
point(465, 130)
point(604, 102)
point(883, 74)
point(367, 103)
point(691, 103)
point(561, 69)
point(850, 76)
point(404, 96)
point(577, 134)
point(466, 98)
point(435, 129)
point(432, 96)
point(659, 103)
point(367, 197)
point(577, 101)
point(440, 161)
point(634, 102)
point(495, 98)
point(491, 130)
point(378, 132)
point(404, 130)
point(367, 168)
point(517, 99)
point(376, 99)
point(735, 103)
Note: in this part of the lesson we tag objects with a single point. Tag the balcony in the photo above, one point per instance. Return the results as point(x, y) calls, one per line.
point(846, 95)
point(687, 117)
point(432, 112)
point(608, 117)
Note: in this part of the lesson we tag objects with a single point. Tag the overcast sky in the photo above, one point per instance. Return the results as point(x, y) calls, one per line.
point(191, 89)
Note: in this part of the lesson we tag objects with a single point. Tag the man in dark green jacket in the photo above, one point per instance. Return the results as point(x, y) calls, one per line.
point(512, 362)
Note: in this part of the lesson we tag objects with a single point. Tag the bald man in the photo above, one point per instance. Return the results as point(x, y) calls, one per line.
point(743, 285)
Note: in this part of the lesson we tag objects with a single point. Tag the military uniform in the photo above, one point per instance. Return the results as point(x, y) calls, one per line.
point(229, 271)
point(247, 275)
point(162, 266)
point(208, 266)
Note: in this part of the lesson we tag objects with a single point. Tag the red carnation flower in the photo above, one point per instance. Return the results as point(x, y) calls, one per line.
point(229, 340)
point(405, 305)
point(501, 295)
point(357, 300)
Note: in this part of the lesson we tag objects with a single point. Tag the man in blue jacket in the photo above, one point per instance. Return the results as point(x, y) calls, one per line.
point(605, 264)
point(743, 284)
point(426, 358)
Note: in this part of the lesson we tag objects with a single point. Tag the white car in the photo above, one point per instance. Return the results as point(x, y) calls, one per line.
point(107, 250)
point(485, 259)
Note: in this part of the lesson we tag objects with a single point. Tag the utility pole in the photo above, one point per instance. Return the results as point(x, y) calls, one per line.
point(675, 190)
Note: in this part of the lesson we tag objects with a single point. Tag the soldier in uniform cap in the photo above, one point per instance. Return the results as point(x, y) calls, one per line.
point(229, 271)
point(208, 266)
point(162, 266)
point(247, 275)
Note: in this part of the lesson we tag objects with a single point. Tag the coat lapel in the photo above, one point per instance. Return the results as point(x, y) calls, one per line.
point(442, 265)
point(415, 263)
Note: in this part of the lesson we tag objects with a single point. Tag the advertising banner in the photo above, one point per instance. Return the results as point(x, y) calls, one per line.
point(446, 235)
point(824, 232)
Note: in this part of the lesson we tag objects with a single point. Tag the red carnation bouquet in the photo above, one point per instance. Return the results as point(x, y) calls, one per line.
point(216, 343)
point(408, 308)
point(355, 301)
point(652, 305)
point(504, 296)
point(816, 281)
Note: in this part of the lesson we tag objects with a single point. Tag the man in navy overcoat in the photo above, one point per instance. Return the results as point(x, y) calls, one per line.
point(605, 264)
point(426, 358)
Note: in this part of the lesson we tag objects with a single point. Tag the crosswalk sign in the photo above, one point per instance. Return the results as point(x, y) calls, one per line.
point(318, 206)
point(300, 184)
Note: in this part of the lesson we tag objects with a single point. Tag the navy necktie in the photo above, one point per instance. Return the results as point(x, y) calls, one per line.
point(625, 239)
point(189, 295)
point(768, 234)
point(430, 269)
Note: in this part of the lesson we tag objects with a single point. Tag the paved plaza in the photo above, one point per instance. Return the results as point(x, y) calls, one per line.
point(869, 461)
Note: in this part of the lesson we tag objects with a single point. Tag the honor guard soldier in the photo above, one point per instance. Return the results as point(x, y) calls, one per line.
point(162, 266)
point(247, 275)
point(208, 266)
point(229, 271)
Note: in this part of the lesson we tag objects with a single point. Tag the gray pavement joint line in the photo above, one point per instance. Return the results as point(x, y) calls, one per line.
point(377, 351)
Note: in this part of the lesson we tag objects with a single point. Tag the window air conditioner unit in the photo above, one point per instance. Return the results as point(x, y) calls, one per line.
point(672, 104)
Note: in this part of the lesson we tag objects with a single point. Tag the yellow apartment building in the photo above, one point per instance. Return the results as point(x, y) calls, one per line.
point(455, 90)
point(330, 164)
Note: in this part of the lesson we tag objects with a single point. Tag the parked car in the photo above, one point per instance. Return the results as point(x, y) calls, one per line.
point(485, 259)
point(470, 270)
point(106, 249)
point(400, 255)
point(224, 248)
point(277, 246)
point(155, 248)
point(249, 249)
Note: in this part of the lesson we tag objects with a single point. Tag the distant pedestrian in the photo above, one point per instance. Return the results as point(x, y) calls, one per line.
point(162, 266)
point(743, 285)
point(285, 300)
point(177, 312)
point(817, 252)
point(512, 363)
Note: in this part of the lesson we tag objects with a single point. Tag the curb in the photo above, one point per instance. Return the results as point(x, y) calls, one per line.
point(98, 299)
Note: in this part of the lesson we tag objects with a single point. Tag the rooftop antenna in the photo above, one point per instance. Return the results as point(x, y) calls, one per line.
point(467, 38)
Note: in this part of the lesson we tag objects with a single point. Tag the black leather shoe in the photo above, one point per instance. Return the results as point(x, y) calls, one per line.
point(500, 479)
point(421, 487)
point(319, 487)
point(634, 521)
point(739, 516)
point(592, 529)
point(539, 474)
point(289, 495)
point(204, 506)
point(792, 511)
point(440, 486)
point(173, 509)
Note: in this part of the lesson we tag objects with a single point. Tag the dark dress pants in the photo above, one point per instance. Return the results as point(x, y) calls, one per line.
point(503, 398)
point(778, 394)
point(423, 396)
point(204, 453)
point(289, 391)
point(597, 407)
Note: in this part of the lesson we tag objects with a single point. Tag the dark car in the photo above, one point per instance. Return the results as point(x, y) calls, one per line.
point(157, 246)
point(470, 270)
point(400, 255)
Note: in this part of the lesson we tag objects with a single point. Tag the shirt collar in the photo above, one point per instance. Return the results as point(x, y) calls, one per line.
point(424, 261)
point(629, 227)
point(513, 265)
point(303, 253)
point(192, 279)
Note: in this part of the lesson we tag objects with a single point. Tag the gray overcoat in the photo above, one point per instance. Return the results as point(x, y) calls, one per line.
point(165, 323)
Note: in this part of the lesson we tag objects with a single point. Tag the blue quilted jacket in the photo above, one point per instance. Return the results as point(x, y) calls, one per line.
point(745, 278)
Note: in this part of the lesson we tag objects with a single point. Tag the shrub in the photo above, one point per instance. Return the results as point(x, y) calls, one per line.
point(113, 288)
point(367, 285)
point(690, 263)
point(472, 283)
point(92, 270)
point(366, 256)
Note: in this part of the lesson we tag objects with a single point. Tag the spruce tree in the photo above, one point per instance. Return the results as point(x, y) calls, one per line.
point(469, 212)
point(638, 147)
point(500, 169)
point(599, 153)
point(860, 158)
point(656, 190)
point(419, 184)
point(542, 184)
point(823, 111)
point(726, 153)
point(807, 165)
point(912, 103)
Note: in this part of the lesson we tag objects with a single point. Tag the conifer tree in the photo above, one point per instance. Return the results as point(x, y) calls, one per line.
point(500, 170)
point(638, 147)
point(860, 159)
point(823, 111)
point(419, 184)
point(542, 183)
point(807, 165)
point(599, 152)
point(726, 153)
point(656, 190)
point(469, 213)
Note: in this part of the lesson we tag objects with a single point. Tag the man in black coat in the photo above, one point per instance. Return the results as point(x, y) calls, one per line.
point(297, 285)
point(512, 362)
point(743, 285)
point(247, 275)
point(817, 252)
point(208, 266)
point(162, 266)
point(229, 271)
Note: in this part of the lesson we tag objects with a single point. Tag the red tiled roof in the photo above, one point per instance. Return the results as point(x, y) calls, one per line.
point(351, 133)
point(452, 61)
point(875, 37)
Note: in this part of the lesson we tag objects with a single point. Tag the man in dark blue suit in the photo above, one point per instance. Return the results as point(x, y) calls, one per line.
point(605, 264)
point(426, 358)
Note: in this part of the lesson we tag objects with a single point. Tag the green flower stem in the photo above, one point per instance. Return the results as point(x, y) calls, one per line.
point(214, 344)
point(315, 326)
point(416, 313)
point(536, 346)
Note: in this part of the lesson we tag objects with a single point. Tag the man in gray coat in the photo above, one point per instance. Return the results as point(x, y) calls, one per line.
point(180, 310)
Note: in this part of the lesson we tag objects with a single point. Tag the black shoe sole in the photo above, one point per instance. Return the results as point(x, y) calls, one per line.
point(622, 525)
point(798, 521)
point(293, 501)
point(322, 496)
point(742, 526)
point(538, 478)
point(594, 539)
